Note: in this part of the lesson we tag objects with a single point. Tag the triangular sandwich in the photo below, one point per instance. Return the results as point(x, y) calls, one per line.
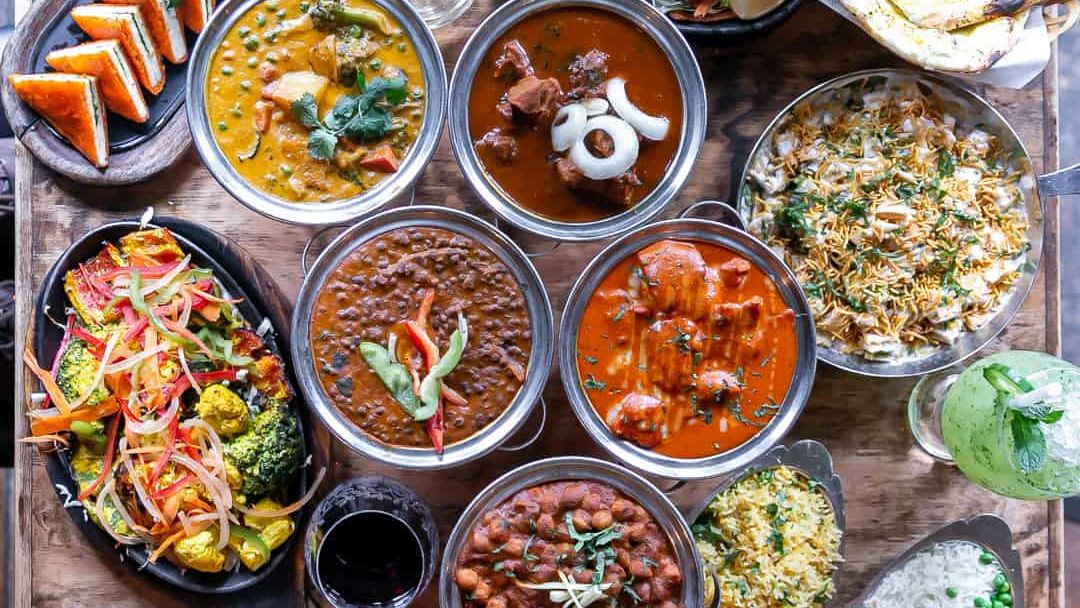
point(105, 60)
point(195, 13)
point(72, 105)
point(126, 25)
point(163, 18)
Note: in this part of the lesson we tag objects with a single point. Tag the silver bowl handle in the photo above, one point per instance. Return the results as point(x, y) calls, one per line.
point(304, 267)
point(1061, 182)
point(721, 212)
point(536, 435)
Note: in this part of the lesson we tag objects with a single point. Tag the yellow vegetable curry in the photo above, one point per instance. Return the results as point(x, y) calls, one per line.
point(315, 101)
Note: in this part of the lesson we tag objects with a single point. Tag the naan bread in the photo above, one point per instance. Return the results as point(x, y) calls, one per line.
point(955, 14)
point(971, 49)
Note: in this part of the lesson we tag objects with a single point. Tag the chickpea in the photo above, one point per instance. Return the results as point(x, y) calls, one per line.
point(467, 578)
point(602, 519)
point(514, 547)
point(481, 543)
point(582, 520)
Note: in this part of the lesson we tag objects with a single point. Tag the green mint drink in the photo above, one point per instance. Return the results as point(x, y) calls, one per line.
point(1011, 422)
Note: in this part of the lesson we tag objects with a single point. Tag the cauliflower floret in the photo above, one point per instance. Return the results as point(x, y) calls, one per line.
point(223, 410)
point(200, 552)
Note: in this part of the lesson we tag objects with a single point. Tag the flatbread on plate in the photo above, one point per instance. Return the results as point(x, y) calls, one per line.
point(971, 49)
point(955, 14)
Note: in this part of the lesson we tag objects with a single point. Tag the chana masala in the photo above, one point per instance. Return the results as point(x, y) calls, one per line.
point(576, 113)
point(575, 543)
point(687, 349)
point(421, 337)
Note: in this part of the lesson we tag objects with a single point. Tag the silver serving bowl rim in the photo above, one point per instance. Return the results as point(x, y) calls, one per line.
point(791, 406)
point(576, 468)
point(988, 531)
point(970, 342)
point(808, 457)
point(536, 372)
point(389, 189)
point(695, 119)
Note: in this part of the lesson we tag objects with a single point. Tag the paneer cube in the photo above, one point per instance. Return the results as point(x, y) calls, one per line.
point(293, 85)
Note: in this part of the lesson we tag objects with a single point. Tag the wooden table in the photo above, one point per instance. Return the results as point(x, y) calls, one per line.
point(895, 493)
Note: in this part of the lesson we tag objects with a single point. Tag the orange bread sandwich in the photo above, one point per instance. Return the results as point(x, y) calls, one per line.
point(105, 60)
point(195, 13)
point(72, 105)
point(125, 25)
point(163, 18)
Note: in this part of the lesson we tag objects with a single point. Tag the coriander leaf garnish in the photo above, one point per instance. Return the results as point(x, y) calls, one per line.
point(365, 117)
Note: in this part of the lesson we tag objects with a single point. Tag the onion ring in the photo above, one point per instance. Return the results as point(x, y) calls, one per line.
point(650, 127)
point(568, 127)
point(596, 106)
point(624, 140)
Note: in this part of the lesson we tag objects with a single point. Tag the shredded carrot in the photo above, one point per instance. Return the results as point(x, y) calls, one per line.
point(47, 381)
point(45, 439)
point(425, 307)
point(168, 542)
point(55, 424)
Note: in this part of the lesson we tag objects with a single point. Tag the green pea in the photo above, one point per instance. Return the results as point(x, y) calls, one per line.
point(221, 126)
point(981, 602)
point(227, 70)
point(1005, 598)
point(418, 93)
point(271, 57)
point(996, 604)
point(375, 65)
point(986, 558)
point(270, 37)
point(286, 170)
point(281, 13)
point(235, 111)
point(951, 592)
point(245, 84)
point(271, 4)
point(252, 62)
point(243, 31)
point(260, 19)
point(304, 6)
point(1000, 582)
point(402, 47)
point(251, 43)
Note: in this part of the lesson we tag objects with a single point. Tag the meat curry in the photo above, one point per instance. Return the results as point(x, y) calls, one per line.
point(315, 100)
point(687, 349)
point(576, 114)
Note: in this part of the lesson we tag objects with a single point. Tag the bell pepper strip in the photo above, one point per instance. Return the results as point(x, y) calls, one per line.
point(46, 439)
point(96, 345)
point(146, 272)
point(434, 428)
point(243, 534)
point(136, 330)
point(64, 341)
point(52, 389)
point(182, 384)
point(190, 337)
point(110, 452)
point(425, 308)
point(140, 306)
point(423, 343)
point(62, 422)
point(173, 487)
point(431, 385)
point(395, 377)
point(170, 445)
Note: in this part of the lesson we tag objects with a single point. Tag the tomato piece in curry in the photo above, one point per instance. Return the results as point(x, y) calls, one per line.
point(687, 349)
point(278, 79)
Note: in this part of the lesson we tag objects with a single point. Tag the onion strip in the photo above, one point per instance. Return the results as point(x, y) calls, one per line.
point(569, 126)
point(222, 496)
point(140, 489)
point(99, 509)
point(625, 149)
point(100, 372)
point(156, 425)
point(296, 506)
point(187, 371)
point(650, 127)
point(130, 362)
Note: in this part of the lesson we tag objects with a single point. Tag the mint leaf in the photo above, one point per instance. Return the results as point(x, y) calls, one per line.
point(1029, 447)
point(1036, 411)
point(306, 111)
point(321, 144)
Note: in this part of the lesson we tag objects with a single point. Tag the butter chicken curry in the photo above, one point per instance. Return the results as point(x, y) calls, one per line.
point(687, 349)
point(576, 114)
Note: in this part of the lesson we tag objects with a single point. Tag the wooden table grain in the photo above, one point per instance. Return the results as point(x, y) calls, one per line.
point(895, 493)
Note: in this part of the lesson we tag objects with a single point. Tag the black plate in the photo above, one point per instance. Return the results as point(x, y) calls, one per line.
point(739, 27)
point(123, 134)
point(193, 239)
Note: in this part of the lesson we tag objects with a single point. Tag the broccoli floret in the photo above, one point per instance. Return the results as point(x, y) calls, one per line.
point(76, 372)
point(269, 453)
point(330, 14)
point(352, 55)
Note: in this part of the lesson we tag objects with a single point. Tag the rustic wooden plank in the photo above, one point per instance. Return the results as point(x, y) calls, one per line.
point(895, 493)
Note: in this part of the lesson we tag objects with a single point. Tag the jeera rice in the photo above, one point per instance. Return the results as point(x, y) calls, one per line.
point(772, 540)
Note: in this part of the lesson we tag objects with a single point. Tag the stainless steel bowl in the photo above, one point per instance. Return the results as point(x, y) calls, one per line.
point(970, 108)
point(540, 319)
point(988, 531)
point(762, 257)
point(565, 468)
point(334, 212)
point(695, 118)
point(809, 458)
